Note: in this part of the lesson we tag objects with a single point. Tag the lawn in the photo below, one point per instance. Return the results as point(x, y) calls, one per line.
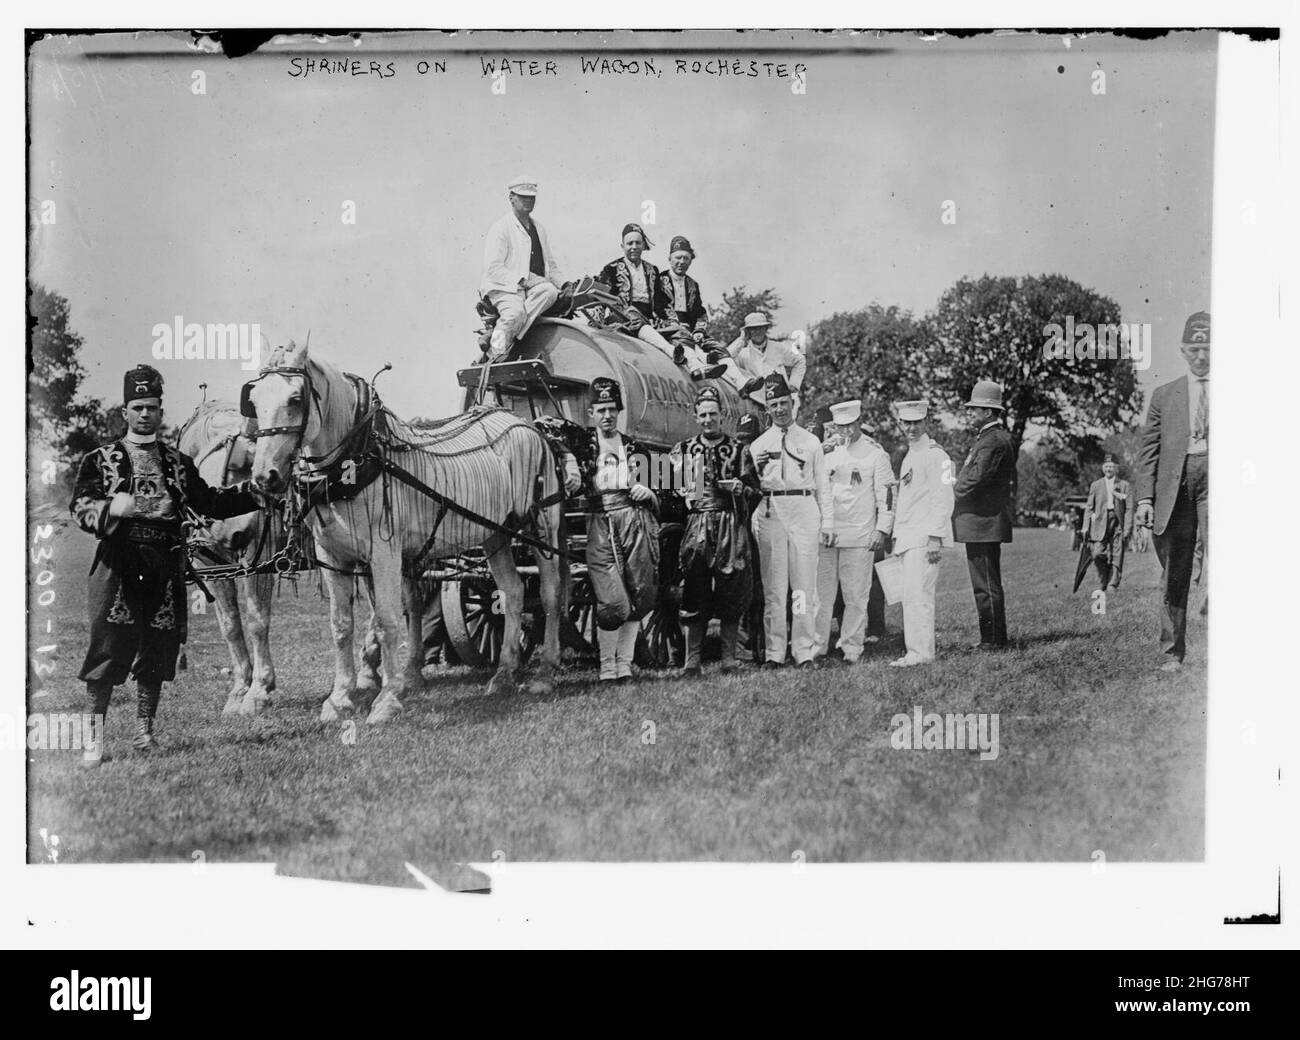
point(1097, 751)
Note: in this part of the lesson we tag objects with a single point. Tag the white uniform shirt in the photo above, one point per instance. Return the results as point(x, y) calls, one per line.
point(859, 475)
point(925, 498)
point(798, 463)
point(508, 252)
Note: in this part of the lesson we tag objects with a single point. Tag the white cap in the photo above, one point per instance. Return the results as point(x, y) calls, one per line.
point(912, 410)
point(846, 413)
point(524, 185)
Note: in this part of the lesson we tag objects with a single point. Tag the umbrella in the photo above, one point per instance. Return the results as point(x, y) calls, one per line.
point(1085, 561)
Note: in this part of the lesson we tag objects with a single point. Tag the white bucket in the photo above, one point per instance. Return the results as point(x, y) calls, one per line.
point(890, 572)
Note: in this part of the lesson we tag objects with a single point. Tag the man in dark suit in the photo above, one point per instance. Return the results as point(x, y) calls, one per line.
point(982, 514)
point(1108, 524)
point(1173, 481)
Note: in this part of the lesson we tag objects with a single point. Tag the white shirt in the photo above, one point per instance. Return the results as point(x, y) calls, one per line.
point(859, 476)
point(925, 498)
point(508, 252)
point(611, 465)
point(1110, 493)
point(775, 355)
point(790, 447)
point(640, 282)
point(1194, 385)
point(679, 291)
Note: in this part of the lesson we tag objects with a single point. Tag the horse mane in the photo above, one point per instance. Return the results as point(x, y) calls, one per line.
point(211, 422)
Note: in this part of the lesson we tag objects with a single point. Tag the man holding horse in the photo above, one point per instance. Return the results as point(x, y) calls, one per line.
point(134, 495)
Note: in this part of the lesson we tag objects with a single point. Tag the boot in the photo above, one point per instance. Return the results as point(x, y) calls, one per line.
point(608, 643)
point(626, 649)
point(694, 632)
point(146, 707)
point(93, 754)
point(730, 633)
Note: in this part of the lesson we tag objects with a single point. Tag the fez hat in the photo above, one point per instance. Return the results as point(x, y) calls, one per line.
point(1197, 330)
point(680, 244)
point(141, 381)
point(709, 393)
point(605, 390)
point(775, 387)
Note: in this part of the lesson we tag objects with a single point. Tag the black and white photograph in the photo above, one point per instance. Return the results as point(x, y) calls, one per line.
point(471, 462)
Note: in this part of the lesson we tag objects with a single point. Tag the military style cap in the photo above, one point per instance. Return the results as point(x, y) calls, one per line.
point(680, 244)
point(523, 185)
point(846, 413)
point(987, 394)
point(605, 390)
point(1197, 330)
point(775, 387)
point(912, 410)
point(709, 393)
point(141, 381)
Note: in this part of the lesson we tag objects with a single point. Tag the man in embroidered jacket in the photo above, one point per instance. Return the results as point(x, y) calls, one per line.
point(133, 495)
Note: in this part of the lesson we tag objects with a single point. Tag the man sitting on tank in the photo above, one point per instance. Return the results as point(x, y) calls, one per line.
point(685, 305)
point(637, 283)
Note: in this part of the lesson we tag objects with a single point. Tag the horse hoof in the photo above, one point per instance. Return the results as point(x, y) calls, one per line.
point(234, 702)
point(255, 705)
point(331, 711)
point(385, 710)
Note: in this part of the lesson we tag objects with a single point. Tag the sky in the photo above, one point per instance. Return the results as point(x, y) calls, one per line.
point(227, 205)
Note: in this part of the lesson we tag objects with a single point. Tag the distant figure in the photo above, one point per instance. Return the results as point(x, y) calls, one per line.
point(1108, 524)
point(758, 353)
point(520, 277)
point(982, 515)
point(795, 510)
point(1173, 481)
point(860, 476)
point(922, 527)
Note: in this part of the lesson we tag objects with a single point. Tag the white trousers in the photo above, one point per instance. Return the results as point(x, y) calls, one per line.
point(919, 582)
point(787, 554)
point(616, 649)
point(849, 570)
point(518, 311)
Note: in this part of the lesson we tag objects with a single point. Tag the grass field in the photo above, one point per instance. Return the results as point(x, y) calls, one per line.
point(1098, 751)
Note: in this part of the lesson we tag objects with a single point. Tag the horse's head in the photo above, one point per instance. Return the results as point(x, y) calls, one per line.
point(280, 401)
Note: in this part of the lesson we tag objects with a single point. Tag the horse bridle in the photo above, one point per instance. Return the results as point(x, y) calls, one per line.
point(248, 411)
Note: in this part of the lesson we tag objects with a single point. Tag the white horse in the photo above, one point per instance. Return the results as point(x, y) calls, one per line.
point(312, 422)
point(215, 439)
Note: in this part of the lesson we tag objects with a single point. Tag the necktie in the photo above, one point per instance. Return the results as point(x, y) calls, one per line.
point(784, 434)
point(1202, 429)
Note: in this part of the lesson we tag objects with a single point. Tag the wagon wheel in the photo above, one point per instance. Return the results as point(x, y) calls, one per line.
point(475, 630)
point(661, 643)
point(582, 613)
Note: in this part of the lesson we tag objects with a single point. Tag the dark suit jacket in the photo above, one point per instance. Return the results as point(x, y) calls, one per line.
point(982, 494)
point(1096, 508)
point(1164, 450)
point(692, 318)
point(617, 274)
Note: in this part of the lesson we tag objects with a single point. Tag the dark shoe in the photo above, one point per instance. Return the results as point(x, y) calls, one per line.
point(693, 671)
point(808, 666)
point(772, 664)
point(145, 744)
point(716, 357)
point(697, 375)
point(679, 355)
point(623, 680)
point(714, 371)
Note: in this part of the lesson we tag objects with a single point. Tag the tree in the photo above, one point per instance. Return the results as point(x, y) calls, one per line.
point(68, 423)
point(1048, 474)
point(996, 328)
point(876, 354)
point(728, 318)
